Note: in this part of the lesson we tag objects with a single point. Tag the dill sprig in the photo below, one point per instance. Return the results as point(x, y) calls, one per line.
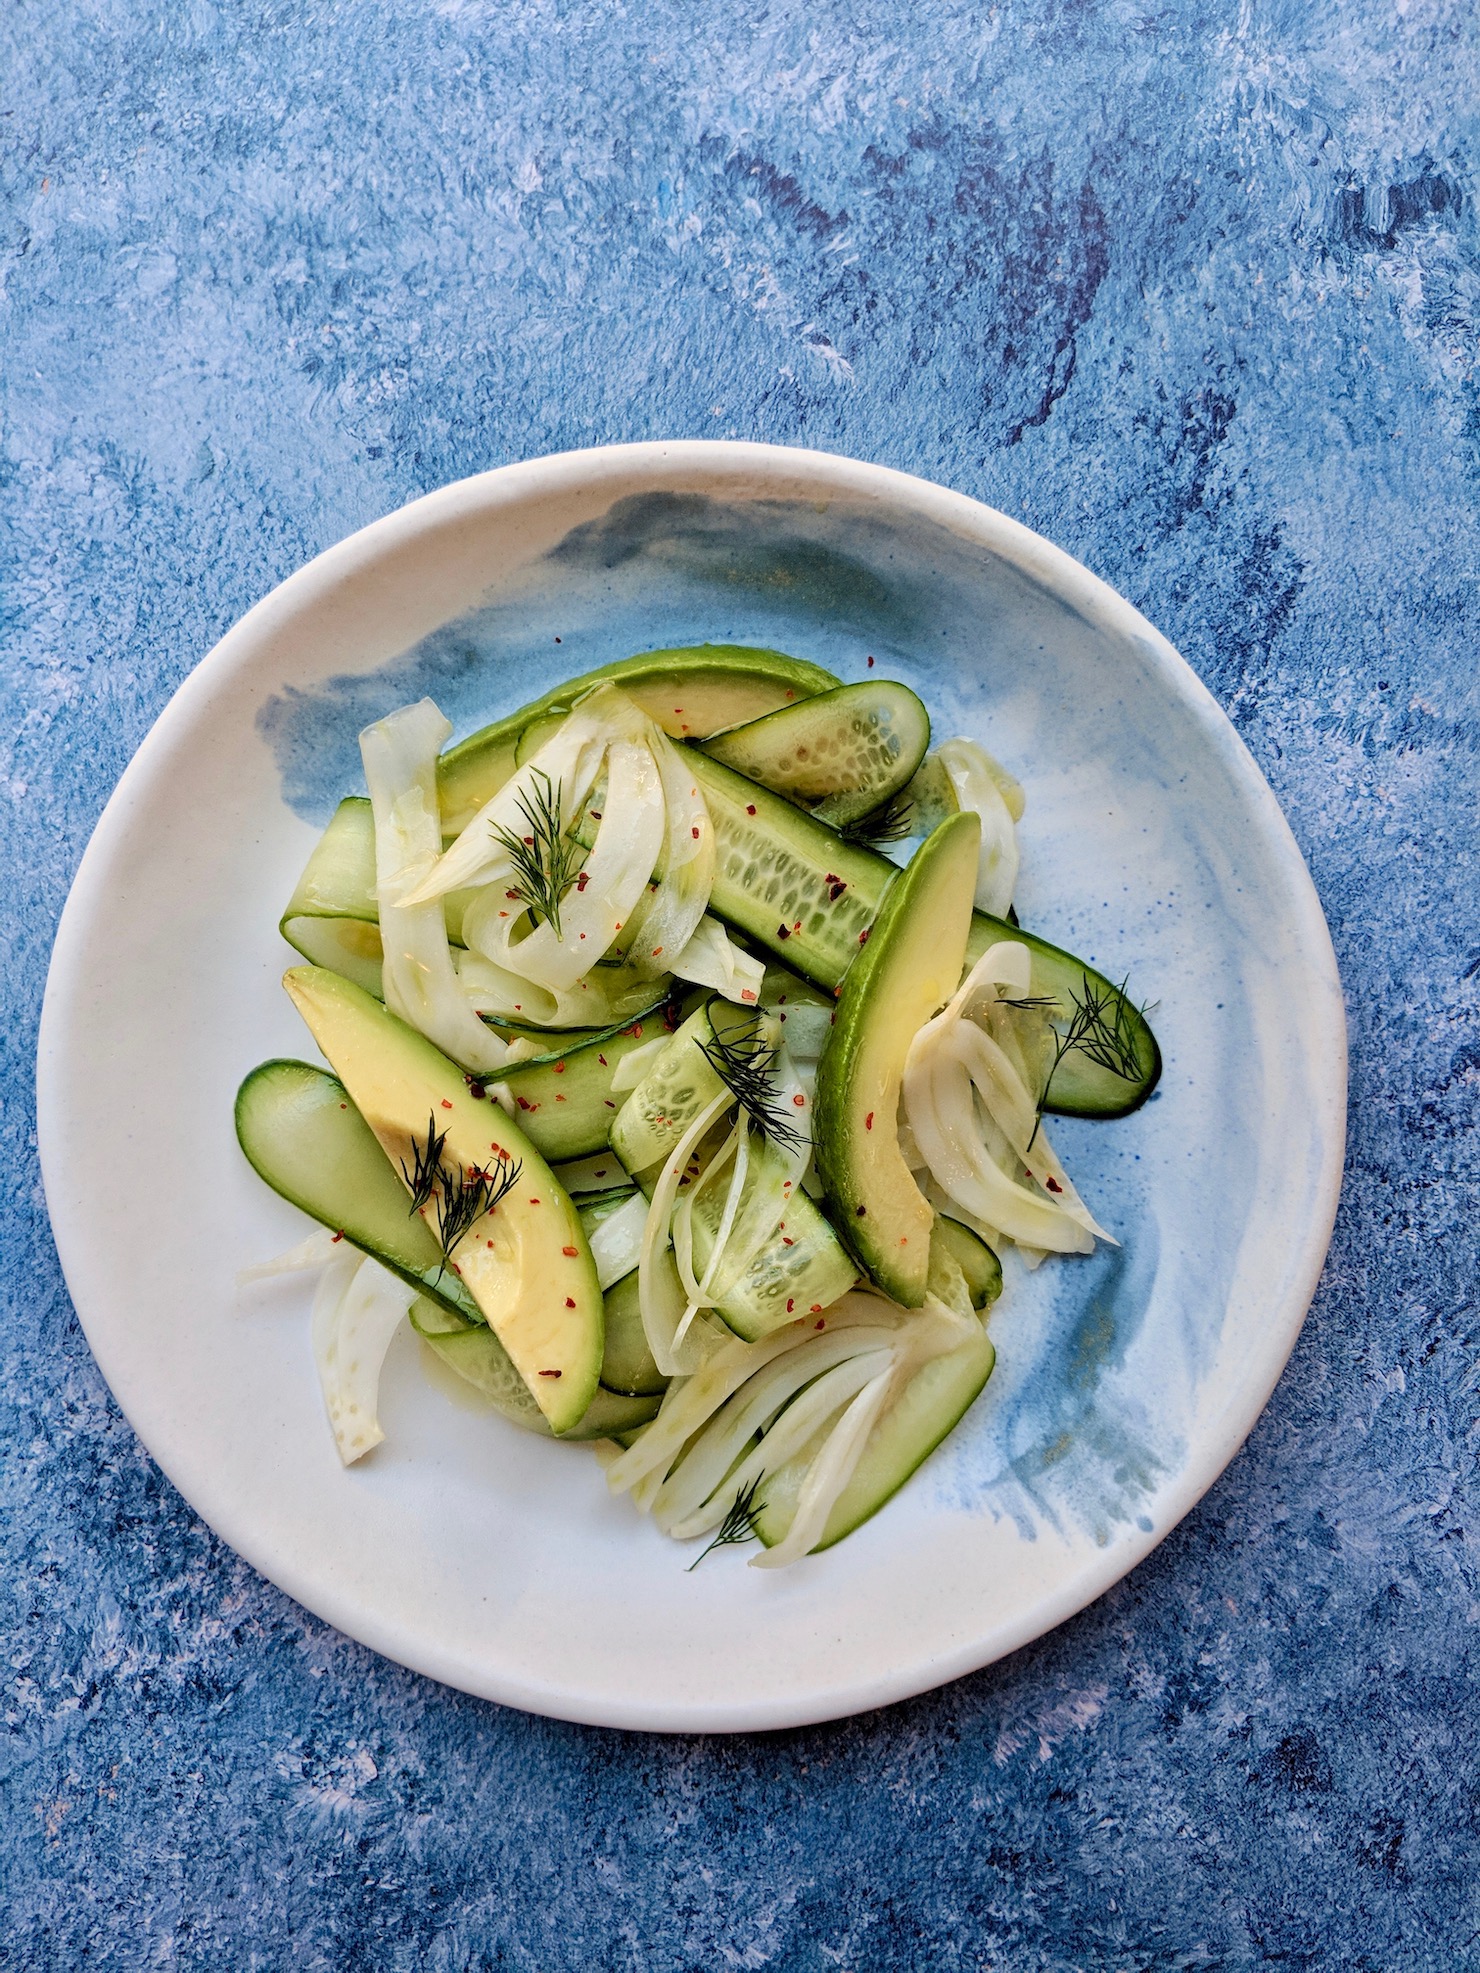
point(743, 1061)
point(740, 1524)
point(890, 822)
point(426, 1166)
point(546, 860)
point(458, 1198)
point(1102, 1028)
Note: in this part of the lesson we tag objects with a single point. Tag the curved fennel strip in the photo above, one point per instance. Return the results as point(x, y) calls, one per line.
point(665, 924)
point(712, 959)
point(420, 982)
point(590, 1003)
point(357, 1310)
point(975, 1125)
point(754, 1407)
point(987, 789)
point(663, 1313)
point(317, 1250)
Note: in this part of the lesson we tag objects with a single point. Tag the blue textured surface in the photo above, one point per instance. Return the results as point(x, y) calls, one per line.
point(1195, 292)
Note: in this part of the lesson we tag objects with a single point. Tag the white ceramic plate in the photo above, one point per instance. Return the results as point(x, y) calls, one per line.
point(1151, 845)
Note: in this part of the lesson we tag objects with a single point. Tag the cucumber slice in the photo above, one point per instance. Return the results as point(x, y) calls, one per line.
point(301, 1133)
point(476, 1355)
point(839, 754)
point(908, 970)
point(803, 1012)
point(781, 871)
point(932, 1404)
point(978, 1264)
point(677, 1086)
point(801, 1270)
point(526, 1263)
point(566, 1105)
point(691, 692)
point(627, 1363)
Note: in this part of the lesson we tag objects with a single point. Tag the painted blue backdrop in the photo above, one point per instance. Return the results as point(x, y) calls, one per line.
point(1195, 291)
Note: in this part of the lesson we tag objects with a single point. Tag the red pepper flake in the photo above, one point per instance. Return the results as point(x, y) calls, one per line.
point(553, 1373)
point(534, 1202)
point(608, 1102)
point(344, 1106)
point(445, 1104)
point(569, 1252)
point(525, 1104)
point(490, 1246)
point(559, 1068)
point(822, 1324)
point(835, 890)
point(746, 994)
point(694, 832)
point(570, 1301)
point(787, 1241)
point(904, 1239)
point(602, 1060)
point(475, 1088)
point(790, 1306)
point(791, 695)
point(1053, 1185)
point(862, 1212)
point(338, 1236)
point(657, 949)
point(512, 894)
point(870, 664)
point(596, 815)
point(863, 936)
point(815, 1307)
point(797, 926)
point(583, 934)
point(783, 931)
point(800, 1100)
point(868, 1122)
point(678, 712)
point(530, 841)
point(557, 640)
point(750, 808)
point(558, 1097)
point(583, 880)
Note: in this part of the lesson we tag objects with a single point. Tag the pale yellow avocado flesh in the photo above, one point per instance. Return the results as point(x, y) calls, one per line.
point(526, 1264)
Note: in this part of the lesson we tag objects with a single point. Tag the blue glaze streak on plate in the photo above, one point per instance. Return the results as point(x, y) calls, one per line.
point(1101, 1360)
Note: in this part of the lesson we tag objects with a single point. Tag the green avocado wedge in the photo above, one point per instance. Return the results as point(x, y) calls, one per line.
point(525, 1262)
point(932, 1404)
point(907, 971)
point(691, 692)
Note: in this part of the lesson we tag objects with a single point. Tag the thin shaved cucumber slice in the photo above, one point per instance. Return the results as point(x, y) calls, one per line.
point(476, 1356)
point(932, 1404)
point(565, 1100)
point(840, 754)
point(627, 1363)
point(301, 1133)
point(804, 893)
point(690, 692)
point(978, 1264)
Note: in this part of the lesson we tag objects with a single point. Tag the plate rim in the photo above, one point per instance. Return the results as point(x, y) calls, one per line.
point(1063, 576)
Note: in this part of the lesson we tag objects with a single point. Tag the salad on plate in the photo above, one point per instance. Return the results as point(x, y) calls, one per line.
point(688, 1073)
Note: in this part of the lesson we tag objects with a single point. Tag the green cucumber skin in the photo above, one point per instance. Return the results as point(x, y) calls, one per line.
point(788, 751)
point(302, 1135)
point(832, 930)
point(565, 1102)
point(976, 1260)
point(756, 680)
point(931, 1405)
point(479, 1359)
point(627, 1364)
point(902, 977)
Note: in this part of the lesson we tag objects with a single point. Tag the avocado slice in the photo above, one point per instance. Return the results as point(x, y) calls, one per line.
point(906, 972)
point(526, 1263)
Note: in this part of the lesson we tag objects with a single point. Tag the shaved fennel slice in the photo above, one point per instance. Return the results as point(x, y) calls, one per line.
point(616, 1244)
point(420, 983)
point(829, 1473)
point(317, 1250)
point(569, 761)
point(701, 1487)
point(980, 785)
point(712, 959)
point(356, 1312)
point(687, 1405)
point(634, 1065)
point(602, 899)
point(665, 922)
point(659, 1291)
point(601, 999)
point(940, 1103)
point(602, 1173)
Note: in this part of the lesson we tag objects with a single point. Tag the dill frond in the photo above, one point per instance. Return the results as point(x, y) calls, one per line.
point(891, 822)
point(546, 860)
point(1103, 1029)
point(743, 1061)
point(739, 1525)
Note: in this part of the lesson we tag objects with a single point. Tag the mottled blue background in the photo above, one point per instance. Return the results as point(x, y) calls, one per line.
point(1192, 289)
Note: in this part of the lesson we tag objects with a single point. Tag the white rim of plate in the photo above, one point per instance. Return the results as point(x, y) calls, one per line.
point(737, 467)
